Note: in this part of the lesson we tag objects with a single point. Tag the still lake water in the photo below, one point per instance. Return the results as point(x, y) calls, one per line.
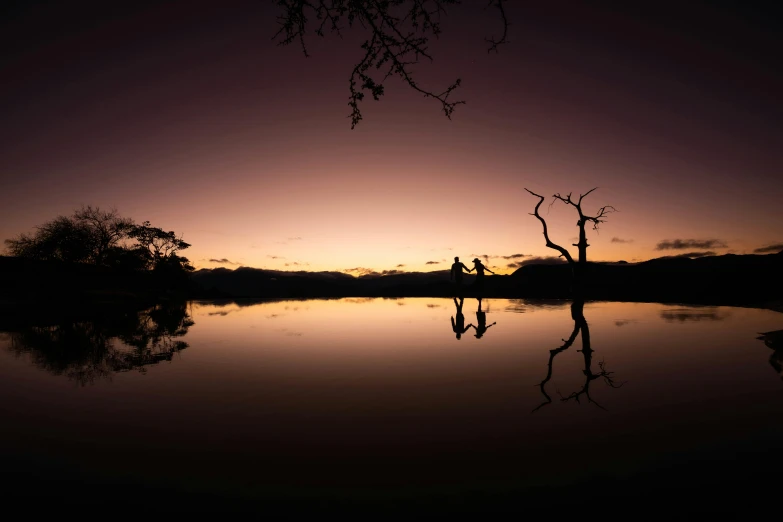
point(375, 404)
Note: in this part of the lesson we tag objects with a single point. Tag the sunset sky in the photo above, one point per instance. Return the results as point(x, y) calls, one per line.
point(193, 118)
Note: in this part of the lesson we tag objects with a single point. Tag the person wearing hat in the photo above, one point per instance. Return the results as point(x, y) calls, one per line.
point(479, 268)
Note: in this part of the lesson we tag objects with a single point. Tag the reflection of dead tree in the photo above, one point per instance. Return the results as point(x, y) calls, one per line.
point(566, 345)
point(579, 267)
point(580, 327)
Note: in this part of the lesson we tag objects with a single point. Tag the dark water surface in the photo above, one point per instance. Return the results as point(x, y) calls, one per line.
point(372, 408)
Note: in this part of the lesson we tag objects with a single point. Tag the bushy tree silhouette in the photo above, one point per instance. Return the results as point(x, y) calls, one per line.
point(105, 238)
point(87, 236)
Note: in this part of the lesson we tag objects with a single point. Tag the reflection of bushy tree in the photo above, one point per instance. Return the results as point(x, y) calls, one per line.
point(86, 350)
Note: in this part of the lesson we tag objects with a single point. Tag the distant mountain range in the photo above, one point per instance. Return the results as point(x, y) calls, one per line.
point(725, 279)
point(752, 280)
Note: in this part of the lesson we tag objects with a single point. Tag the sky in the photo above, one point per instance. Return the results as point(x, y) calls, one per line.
point(190, 116)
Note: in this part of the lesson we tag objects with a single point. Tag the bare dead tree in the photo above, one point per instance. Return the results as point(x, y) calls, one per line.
point(578, 267)
point(399, 32)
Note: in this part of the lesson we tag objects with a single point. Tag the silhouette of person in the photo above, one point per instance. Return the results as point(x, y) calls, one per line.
point(479, 268)
point(458, 326)
point(481, 319)
point(457, 270)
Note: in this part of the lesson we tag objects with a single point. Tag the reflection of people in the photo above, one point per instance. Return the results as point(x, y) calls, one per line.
point(481, 319)
point(458, 326)
point(479, 267)
point(457, 270)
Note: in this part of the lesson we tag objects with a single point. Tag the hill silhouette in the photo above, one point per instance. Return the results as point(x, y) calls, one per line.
point(728, 279)
point(750, 280)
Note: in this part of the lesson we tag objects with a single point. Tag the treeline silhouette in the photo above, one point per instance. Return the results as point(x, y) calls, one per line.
point(93, 255)
point(102, 238)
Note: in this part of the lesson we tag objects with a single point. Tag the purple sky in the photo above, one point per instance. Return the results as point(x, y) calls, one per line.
point(191, 117)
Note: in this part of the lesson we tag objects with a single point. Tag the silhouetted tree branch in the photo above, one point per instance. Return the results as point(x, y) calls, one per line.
point(399, 34)
point(584, 219)
point(578, 269)
point(108, 229)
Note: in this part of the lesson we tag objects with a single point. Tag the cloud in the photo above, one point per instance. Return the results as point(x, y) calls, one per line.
point(692, 255)
point(682, 315)
point(275, 257)
point(769, 249)
point(297, 238)
point(359, 271)
point(296, 263)
point(682, 244)
point(432, 263)
point(400, 266)
point(358, 300)
point(515, 256)
point(620, 240)
point(222, 261)
point(549, 260)
point(223, 313)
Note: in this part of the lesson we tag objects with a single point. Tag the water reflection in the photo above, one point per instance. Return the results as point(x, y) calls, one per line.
point(580, 327)
point(682, 315)
point(774, 340)
point(86, 350)
point(481, 319)
point(458, 325)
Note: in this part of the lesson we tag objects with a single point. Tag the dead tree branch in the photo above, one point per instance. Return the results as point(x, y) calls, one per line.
point(549, 243)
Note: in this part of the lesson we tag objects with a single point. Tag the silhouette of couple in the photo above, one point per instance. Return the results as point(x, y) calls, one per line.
point(458, 325)
point(457, 272)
